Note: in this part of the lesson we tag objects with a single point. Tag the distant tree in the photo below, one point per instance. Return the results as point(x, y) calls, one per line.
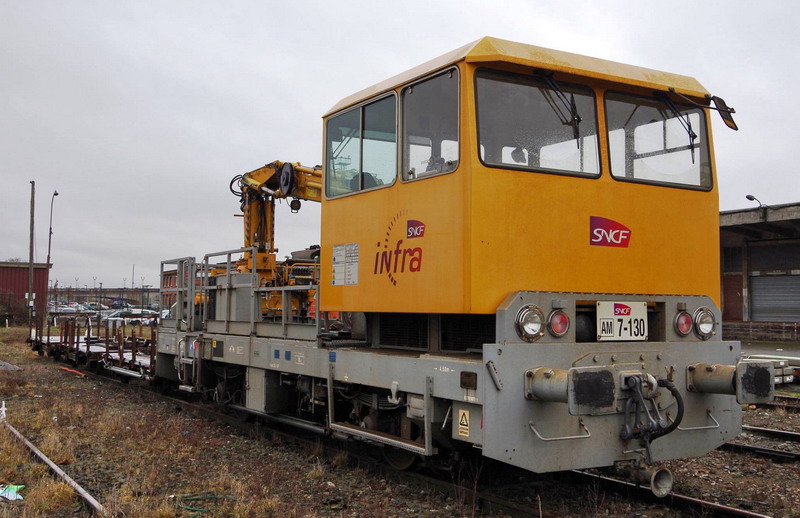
point(13, 260)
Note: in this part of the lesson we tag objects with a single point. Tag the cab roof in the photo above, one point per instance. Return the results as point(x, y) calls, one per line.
point(488, 49)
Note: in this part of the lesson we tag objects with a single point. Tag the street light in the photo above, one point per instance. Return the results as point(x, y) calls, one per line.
point(50, 236)
point(761, 206)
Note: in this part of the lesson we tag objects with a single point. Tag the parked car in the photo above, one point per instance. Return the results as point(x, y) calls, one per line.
point(132, 316)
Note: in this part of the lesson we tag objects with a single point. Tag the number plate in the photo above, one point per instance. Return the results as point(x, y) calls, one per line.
point(621, 321)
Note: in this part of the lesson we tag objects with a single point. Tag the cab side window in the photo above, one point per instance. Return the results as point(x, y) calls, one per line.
point(361, 148)
point(430, 126)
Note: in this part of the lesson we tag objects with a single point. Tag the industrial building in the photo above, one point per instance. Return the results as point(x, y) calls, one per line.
point(14, 285)
point(760, 250)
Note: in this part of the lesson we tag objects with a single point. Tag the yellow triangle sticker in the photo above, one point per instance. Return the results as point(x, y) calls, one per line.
point(463, 423)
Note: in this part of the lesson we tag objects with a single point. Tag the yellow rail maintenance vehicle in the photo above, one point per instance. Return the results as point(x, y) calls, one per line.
point(519, 257)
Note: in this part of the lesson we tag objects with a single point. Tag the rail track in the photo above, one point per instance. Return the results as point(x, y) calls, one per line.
point(784, 435)
point(473, 496)
point(769, 453)
point(789, 404)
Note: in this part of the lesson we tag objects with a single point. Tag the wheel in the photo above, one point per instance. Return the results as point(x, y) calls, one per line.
point(403, 459)
point(399, 459)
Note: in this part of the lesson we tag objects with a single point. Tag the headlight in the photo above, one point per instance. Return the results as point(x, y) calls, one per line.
point(558, 323)
point(704, 323)
point(530, 323)
point(683, 323)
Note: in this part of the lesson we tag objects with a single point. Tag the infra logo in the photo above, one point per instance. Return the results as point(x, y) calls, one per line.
point(394, 256)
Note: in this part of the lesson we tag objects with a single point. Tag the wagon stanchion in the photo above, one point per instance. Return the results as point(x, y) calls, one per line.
point(120, 345)
point(153, 346)
point(78, 333)
point(88, 338)
point(71, 336)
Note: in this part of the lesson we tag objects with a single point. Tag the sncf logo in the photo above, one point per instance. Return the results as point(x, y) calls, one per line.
point(415, 228)
point(622, 310)
point(607, 232)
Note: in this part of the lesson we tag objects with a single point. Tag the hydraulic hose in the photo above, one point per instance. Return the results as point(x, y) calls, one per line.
point(679, 416)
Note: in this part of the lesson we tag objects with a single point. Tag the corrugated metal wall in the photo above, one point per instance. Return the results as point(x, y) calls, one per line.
point(14, 283)
point(775, 298)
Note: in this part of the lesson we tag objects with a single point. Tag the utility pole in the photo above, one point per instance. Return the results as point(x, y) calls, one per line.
point(30, 262)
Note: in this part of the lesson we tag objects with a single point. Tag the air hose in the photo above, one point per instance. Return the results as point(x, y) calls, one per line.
point(678, 417)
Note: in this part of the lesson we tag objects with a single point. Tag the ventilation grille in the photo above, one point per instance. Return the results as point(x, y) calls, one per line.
point(462, 332)
point(404, 330)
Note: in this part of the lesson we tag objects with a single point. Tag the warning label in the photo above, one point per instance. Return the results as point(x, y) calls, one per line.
point(463, 423)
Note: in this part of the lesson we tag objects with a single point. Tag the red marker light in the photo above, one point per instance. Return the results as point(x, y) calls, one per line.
point(558, 323)
point(683, 323)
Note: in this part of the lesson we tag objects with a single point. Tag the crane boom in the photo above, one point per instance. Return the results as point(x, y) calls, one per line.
point(258, 191)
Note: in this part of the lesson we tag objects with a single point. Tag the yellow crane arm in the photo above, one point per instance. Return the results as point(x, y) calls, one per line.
point(258, 191)
point(286, 180)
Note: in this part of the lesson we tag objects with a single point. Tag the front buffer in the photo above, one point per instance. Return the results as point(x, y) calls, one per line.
point(568, 405)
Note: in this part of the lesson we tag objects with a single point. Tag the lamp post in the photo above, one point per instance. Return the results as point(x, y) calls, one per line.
point(29, 300)
point(761, 206)
point(50, 234)
point(50, 239)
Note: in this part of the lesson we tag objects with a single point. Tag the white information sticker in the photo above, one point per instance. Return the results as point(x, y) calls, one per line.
point(345, 264)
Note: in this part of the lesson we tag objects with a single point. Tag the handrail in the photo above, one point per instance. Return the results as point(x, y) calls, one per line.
point(565, 438)
point(706, 427)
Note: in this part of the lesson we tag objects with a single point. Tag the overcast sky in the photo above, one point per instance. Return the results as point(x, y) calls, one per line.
point(140, 112)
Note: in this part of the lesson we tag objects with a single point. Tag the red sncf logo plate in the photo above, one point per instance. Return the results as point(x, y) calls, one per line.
point(607, 232)
point(621, 310)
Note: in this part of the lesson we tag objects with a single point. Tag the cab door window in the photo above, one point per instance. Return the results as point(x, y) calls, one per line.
point(430, 126)
point(361, 148)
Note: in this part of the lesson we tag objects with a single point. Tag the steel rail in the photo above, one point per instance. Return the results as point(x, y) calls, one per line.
point(88, 498)
point(770, 453)
point(791, 408)
point(779, 434)
point(675, 500)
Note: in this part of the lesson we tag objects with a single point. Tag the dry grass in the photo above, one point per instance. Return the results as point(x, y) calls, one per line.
point(43, 495)
point(11, 383)
point(317, 470)
point(139, 457)
point(49, 496)
point(13, 334)
point(341, 459)
point(316, 451)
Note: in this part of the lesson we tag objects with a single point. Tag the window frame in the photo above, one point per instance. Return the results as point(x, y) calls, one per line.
point(360, 107)
point(657, 183)
point(483, 71)
point(401, 112)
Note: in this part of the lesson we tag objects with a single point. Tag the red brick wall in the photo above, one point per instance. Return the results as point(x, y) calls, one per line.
point(762, 331)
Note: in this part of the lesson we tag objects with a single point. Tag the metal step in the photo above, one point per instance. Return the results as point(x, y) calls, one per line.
point(126, 372)
point(186, 388)
point(380, 437)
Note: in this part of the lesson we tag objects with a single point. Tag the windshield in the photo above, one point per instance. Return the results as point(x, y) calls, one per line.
point(531, 123)
point(654, 141)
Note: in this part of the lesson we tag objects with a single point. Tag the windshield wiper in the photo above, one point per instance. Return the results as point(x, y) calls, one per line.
point(683, 118)
point(569, 104)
